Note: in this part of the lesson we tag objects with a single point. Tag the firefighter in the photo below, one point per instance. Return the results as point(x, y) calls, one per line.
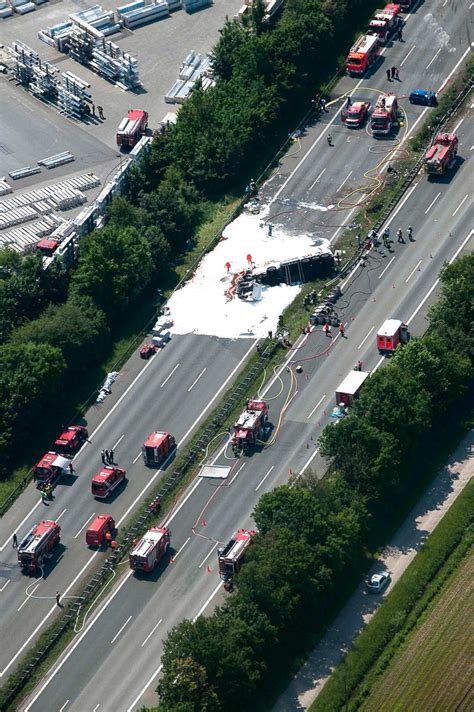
point(58, 599)
point(400, 235)
point(44, 497)
point(358, 366)
point(114, 544)
point(341, 330)
point(410, 233)
point(71, 468)
point(329, 139)
point(15, 542)
point(108, 539)
point(49, 490)
point(102, 454)
point(348, 102)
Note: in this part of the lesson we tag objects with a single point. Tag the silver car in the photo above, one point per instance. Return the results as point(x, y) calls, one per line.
point(378, 582)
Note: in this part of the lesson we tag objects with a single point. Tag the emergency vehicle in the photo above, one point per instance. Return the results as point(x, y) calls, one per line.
point(96, 533)
point(107, 480)
point(391, 333)
point(47, 246)
point(350, 387)
point(385, 22)
point(37, 545)
point(384, 115)
point(71, 438)
point(150, 549)
point(355, 114)
point(50, 468)
point(250, 426)
point(441, 156)
point(157, 447)
point(232, 555)
point(132, 128)
point(362, 55)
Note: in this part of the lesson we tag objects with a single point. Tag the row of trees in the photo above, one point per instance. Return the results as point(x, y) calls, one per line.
point(312, 537)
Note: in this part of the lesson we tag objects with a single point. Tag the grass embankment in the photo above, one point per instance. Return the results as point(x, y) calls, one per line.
point(436, 564)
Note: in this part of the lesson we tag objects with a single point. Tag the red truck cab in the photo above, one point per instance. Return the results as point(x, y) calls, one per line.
point(71, 438)
point(107, 480)
point(362, 55)
point(157, 447)
point(95, 535)
point(150, 549)
point(50, 468)
point(132, 128)
point(37, 545)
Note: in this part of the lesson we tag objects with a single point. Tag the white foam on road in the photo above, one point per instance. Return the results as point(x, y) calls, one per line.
point(203, 305)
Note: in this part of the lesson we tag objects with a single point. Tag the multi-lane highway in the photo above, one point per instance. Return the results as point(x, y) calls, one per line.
point(111, 663)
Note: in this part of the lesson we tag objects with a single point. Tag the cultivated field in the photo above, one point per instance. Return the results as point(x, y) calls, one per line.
point(434, 670)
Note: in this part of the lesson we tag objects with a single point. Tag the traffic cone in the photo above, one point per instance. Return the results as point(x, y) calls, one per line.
point(171, 560)
point(291, 471)
point(203, 522)
point(209, 570)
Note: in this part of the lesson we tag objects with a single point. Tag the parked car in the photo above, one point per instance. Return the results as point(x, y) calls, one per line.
point(378, 582)
point(426, 98)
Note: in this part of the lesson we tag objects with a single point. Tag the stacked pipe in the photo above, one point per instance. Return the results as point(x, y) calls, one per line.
point(73, 98)
point(139, 12)
point(58, 159)
point(194, 5)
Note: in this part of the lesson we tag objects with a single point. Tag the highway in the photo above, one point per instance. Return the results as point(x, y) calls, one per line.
point(115, 662)
point(155, 401)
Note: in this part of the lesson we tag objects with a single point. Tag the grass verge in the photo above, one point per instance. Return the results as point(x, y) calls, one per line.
point(350, 684)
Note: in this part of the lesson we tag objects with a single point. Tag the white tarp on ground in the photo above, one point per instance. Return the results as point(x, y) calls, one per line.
point(204, 306)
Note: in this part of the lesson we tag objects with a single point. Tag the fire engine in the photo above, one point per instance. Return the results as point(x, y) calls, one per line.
point(49, 468)
point(385, 22)
point(384, 115)
point(362, 55)
point(355, 114)
point(442, 154)
point(47, 246)
point(157, 447)
point(150, 549)
point(106, 481)
point(232, 555)
point(132, 128)
point(349, 389)
point(250, 426)
point(71, 438)
point(391, 333)
point(37, 545)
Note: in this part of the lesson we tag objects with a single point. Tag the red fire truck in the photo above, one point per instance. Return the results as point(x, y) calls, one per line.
point(37, 545)
point(384, 115)
point(391, 333)
point(132, 128)
point(107, 480)
point(385, 22)
point(355, 114)
point(232, 555)
point(71, 438)
point(250, 426)
point(362, 55)
point(157, 447)
point(150, 549)
point(349, 389)
point(50, 468)
point(442, 154)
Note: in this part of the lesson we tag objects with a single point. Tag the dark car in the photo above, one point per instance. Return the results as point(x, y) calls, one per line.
point(425, 98)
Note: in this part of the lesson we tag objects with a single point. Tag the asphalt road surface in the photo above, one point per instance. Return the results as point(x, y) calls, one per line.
point(115, 662)
point(186, 587)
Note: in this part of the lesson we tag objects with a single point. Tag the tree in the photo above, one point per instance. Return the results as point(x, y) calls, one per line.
point(184, 687)
point(296, 509)
point(227, 52)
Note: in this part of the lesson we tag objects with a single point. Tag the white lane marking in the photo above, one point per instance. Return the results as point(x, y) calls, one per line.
point(64, 706)
point(460, 204)
point(262, 481)
point(427, 295)
point(137, 457)
point(238, 472)
point(456, 128)
point(444, 3)
point(316, 406)
point(151, 633)
point(434, 58)
point(432, 203)
point(309, 461)
point(96, 708)
point(5, 585)
point(79, 638)
point(121, 629)
point(345, 179)
point(28, 597)
point(317, 179)
point(84, 525)
point(17, 528)
point(169, 376)
point(197, 379)
point(208, 555)
point(386, 268)
point(134, 704)
point(365, 338)
point(455, 68)
point(348, 217)
point(406, 56)
point(413, 271)
point(58, 518)
point(118, 441)
point(205, 605)
point(379, 363)
point(175, 556)
point(350, 275)
point(191, 491)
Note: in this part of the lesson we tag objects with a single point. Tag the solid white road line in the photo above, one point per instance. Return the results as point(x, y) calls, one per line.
point(175, 556)
point(317, 179)
point(347, 218)
point(456, 128)
point(96, 708)
point(169, 376)
point(84, 525)
point(365, 338)
point(64, 706)
point(432, 203)
point(345, 179)
point(309, 461)
point(413, 272)
point(28, 597)
point(400, 206)
point(121, 629)
point(151, 632)
point(455, 69)
point(118, 441)
point(434, 58)
point(208, 555)
point(386, 268)
point(262, 481)
point(197, 379)
point(460, 204)
point(205, 605)
point(237, 473)
point(316, 406)
point(58, 518)
point(406, 56)
point(137, 457)
point(5, 585)
point(7, 541)
point(183, 502)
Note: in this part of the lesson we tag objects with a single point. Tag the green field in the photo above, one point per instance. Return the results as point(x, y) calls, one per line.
point(434, 669)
